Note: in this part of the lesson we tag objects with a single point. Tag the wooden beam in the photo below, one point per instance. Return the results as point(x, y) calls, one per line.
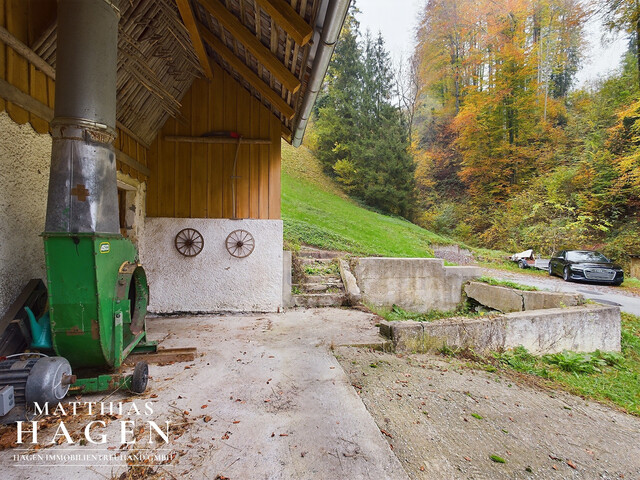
point(186, 12)
point(285, 16)
point(133, 163)
point(26, 52)
point(31, 105)
point(37, 61)
point(229, 21)
point(164, 355)
point(248, 74)
point(217, 140)
point(286, 133)
point(24, 100)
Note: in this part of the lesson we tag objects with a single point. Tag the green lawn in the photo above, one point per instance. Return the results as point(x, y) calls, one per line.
point(316, 213)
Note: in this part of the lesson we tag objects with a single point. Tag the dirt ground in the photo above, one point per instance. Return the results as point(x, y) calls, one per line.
point(444, 420)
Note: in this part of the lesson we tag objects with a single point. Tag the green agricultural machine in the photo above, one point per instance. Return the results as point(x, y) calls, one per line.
point(98, 292)
point(97, 289)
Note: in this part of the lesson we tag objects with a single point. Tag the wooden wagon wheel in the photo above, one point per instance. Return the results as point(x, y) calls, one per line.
point(189, 242)
point(240, 243)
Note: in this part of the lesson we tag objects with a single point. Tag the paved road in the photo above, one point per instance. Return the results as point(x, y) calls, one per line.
point(604, 294)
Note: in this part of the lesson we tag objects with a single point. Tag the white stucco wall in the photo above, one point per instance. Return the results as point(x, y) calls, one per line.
point(136, 207)
point(213, 281)
point(25, 157)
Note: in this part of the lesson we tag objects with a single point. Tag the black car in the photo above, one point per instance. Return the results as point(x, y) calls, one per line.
point(586, 265)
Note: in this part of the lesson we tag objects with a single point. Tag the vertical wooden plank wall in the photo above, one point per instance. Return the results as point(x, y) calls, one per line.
point(195, 180)
point(26, 20)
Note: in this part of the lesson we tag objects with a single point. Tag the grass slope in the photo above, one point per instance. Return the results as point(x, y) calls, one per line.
point(315, 212)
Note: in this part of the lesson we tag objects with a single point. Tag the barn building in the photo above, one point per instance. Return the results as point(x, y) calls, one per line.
point(205, 92)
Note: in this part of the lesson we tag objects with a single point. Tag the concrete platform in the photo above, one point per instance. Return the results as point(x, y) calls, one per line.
point(264, 399)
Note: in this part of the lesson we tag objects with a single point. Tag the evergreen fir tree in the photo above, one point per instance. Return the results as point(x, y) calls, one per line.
point(362, 136)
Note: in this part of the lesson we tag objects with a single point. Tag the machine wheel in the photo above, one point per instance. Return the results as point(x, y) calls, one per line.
point(550, 270)
point(140, 377)
point(566, 273)
point(523, 264)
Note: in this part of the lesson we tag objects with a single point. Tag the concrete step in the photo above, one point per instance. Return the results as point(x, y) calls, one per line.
point(315, 300)
point(310, 252)
point(318, 261)
point(319, 287)
point(323, 279)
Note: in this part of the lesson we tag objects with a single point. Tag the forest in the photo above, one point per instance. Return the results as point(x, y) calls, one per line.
point(482, 135)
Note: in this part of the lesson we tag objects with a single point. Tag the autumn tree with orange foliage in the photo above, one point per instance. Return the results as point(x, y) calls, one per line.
point(494, 78)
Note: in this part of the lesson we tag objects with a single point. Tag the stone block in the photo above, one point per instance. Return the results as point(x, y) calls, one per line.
point(543, 300)
point(407, 336)
point(416, 284)
point(502, 299)
point(350, 285)
point(506, 300)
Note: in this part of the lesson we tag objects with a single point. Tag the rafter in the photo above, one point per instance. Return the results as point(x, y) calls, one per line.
point(186, 12)
point(248, 74)
point(285, 16)
point(229, 21)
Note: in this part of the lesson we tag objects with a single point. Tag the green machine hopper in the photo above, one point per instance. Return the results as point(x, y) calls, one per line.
point(98, 292)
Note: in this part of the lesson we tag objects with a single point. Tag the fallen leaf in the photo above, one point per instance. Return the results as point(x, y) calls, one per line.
point(571, 464)
point(384, 432)
point(204, 406)
point(467, 459)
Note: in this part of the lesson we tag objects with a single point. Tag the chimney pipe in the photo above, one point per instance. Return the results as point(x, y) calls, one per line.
point(83, 195)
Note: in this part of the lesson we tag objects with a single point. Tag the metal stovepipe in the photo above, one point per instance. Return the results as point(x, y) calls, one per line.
point(83, 194)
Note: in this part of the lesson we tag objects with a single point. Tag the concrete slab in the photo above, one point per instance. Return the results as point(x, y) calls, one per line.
point(509, 300)
point(265, 399)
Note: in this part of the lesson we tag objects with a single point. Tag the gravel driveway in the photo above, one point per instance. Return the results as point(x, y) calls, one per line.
point(626, 300)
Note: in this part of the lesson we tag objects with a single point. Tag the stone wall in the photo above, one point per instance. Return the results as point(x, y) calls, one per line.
point(213, 281)
point(416, 284)
point(579, 329)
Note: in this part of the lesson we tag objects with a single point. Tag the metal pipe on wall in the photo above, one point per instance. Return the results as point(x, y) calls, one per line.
point(83, 194)
point(336, 13)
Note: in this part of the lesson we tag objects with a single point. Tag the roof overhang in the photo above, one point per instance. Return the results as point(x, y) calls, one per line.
point(280, 53)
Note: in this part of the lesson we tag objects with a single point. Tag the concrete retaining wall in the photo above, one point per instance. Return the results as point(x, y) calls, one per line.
point(507, 300)
point(580, 329)
point(214, 280)
point(416, 284)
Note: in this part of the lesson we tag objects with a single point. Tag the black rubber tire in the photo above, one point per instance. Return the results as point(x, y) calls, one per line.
point(140, 377)
point(522, 264)
point(550, 270)
point(617, 284)
point(566, 274)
